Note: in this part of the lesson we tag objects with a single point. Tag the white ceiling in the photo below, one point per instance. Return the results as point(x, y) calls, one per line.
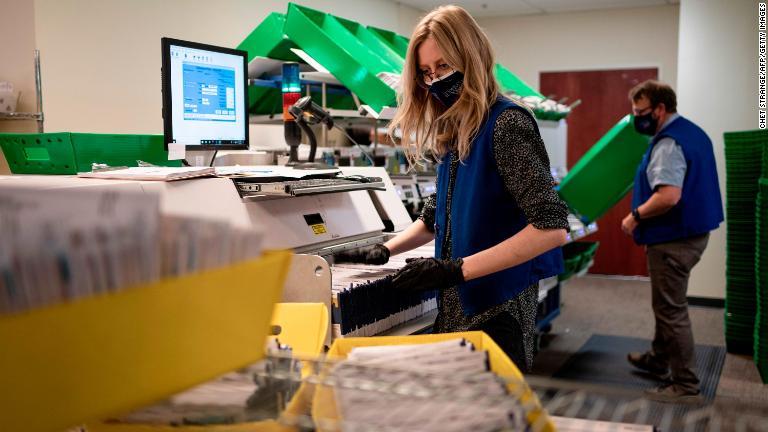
point(487, 8)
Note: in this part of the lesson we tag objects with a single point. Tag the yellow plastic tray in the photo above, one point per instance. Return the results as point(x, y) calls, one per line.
point(303, 327)
point(324, 402)
point(263, 426)
point(110, 354)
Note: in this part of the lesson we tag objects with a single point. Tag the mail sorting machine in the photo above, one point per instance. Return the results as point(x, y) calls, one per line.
point(315, 224)
point(313, 217)
point(414, 189)
point(359, 296)
point(325, 216)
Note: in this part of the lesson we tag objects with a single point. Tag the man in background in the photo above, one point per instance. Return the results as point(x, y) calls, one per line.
point(675, 204)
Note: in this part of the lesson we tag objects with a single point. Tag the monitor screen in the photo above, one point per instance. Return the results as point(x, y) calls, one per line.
point(205, 97)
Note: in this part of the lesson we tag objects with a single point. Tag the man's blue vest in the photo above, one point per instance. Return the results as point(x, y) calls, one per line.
point(700, 209)
point(483, 214)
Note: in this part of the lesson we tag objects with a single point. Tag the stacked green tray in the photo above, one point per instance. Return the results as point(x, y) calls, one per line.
point(764, 171)
point(510, 83)
point(761, 279)
point(605, 173)
point(353, 53)
point(577, 256)
point(269, 40)
point(70, 153)
point(373, 42)
point(330, 43)
point(398, 43)
point(743, 161)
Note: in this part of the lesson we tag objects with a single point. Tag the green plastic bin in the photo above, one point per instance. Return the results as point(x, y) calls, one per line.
point(576, 257)
point(589, 249)
point(374, 43)
point(353, 53)
point(570, 266)
point(70, 153)
point(269, 40)
point(509, 82)
point(745, 153)
point(605, 173)
point(328, 41)
point(760, 333)
point(398, 43)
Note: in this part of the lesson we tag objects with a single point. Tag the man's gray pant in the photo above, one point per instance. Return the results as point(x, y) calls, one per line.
point(669, 265)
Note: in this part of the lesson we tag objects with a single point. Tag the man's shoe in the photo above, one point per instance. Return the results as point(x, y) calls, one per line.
point(643, 362)
point(674, 394)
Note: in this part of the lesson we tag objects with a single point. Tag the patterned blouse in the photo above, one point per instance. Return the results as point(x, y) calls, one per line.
point(522, 161)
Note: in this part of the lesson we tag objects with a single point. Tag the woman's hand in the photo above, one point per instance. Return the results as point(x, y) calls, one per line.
point(428, 274)
point(377, 255)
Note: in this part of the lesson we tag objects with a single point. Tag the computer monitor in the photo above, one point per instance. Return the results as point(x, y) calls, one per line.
point(205, 96)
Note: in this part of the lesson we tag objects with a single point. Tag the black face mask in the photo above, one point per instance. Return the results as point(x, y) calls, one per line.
point(447, 89)
point(646, 124)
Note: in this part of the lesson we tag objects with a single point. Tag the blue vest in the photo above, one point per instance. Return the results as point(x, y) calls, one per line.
point(483, 214)
point(700, 209)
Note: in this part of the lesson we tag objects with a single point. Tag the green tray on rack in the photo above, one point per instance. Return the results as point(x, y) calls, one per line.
point(605, 173)
point(269, 40)
point(744, 162)
point(374, 43)
point(398, 43)
point(576, 257)
point(353, 53)
point(760, 331)
point(70, 153)
point(509, 82)
point(329, 42)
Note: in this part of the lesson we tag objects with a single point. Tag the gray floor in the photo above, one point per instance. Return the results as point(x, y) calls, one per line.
point(614, 306)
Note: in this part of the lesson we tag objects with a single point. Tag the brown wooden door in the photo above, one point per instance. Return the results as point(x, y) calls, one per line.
point(604, 101)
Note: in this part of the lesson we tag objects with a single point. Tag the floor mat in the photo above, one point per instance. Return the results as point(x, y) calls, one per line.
point(603, 360)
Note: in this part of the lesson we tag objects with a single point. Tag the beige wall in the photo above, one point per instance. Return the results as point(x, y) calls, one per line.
point(101, 58)
point(718, 58)
point(17, 58)
point(609, 39)
point(17, 62)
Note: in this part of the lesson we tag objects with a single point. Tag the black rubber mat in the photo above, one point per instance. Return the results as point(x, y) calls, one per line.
point(603, 360)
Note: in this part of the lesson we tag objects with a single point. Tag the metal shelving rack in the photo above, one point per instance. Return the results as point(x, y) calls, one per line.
point(38, 115)
point(327, 84)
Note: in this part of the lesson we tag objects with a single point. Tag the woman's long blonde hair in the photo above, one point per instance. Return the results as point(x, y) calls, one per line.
point(425, 123)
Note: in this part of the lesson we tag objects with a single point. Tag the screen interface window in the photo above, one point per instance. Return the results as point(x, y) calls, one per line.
point(208, 105)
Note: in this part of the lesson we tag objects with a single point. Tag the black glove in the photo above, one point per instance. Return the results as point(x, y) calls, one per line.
point(377, 254)
point(428, 274)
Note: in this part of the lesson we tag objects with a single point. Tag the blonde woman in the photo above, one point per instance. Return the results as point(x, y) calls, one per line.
point(496, 220)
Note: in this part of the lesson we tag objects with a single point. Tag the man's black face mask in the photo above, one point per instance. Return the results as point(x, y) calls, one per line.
point(646, 124)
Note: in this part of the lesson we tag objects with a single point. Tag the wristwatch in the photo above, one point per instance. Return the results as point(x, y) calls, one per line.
point(636, 214)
